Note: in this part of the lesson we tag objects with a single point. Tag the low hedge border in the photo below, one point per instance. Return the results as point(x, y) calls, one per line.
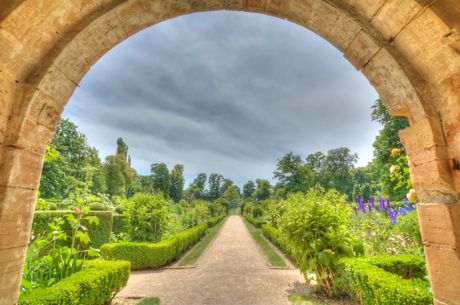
point(366, 279)
point(256, 223)
point(153, 255)
point(98, 234)
point(96, 284)
point(213, 221)
point(274, 235)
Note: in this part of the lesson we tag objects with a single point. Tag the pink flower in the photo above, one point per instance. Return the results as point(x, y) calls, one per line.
point(76, 210)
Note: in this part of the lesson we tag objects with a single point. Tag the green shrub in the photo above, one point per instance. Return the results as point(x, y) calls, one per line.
point(274, 235)
point(213, 221)
point(257, 211)
point(53, 206)
point(94, 285)
point(119, 209)
point(366, 279)
point(153, 255)
point(97, 206)
point(256, 223)
point(119, 224)
point(98, 234)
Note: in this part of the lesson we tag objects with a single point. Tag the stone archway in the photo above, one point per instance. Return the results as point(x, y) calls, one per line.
point(408, 49)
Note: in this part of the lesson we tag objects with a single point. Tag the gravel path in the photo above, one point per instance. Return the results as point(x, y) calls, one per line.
point(231, 271)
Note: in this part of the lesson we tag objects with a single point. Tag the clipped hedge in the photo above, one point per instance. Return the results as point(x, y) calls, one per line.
point(366, 279)
point(213, 221)
point(274, 235)
point(96, 284)
point(149, 255)
point(256, 223)
point(119, 225)
point(98, 234)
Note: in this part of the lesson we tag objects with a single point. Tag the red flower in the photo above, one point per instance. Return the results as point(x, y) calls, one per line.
point(76, 210)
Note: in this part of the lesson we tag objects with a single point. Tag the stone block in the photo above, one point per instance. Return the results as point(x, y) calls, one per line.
point(433, 182)
point(367, 8)
point(234, 5)
point(420, 42)
point(35, 137)
point(435, 153)
point(440, 224)
point(278, 8)
point(361, 50)
point(20, 168)
point(11, 265)
point(17, 207)
point(392, 84)
point(422, 135)
point(444, 271)
point(56, 84)
point(257, 6)
point(394, 15)
point(343, 32)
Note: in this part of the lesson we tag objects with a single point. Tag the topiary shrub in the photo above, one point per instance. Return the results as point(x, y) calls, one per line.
point(257, 211)
point(97, 206)
point(119, 224)
point(53, 206)
point(213, 221)
point(255, 222)
point(96, 284)
point(119, 209)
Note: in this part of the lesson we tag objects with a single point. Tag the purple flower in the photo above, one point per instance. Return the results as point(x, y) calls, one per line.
point(356, 210)
point(370, 209)
point(388, 203)
point(372, 202)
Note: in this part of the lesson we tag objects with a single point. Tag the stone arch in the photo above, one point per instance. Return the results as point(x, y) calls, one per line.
point(409, 51)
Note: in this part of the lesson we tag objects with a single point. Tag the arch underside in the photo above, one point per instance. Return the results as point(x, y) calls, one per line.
point(408, 50)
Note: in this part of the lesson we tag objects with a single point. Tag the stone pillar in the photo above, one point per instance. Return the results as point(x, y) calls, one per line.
point(439, 211)
point(19, 175)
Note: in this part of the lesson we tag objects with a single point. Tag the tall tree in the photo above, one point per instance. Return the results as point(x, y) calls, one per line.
point(294, 174)
point(248, 189)
point(339, 162)
point(386, 140)
point(214, 182)
point(116, 185)
point(200, 181)
point(161, 178)
point(232, 193)
point(263, 190)
point(224, 186)
point(317, 162)
point(122, 149)
point(177, 183)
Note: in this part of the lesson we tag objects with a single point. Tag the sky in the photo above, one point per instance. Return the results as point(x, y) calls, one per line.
point(224, 92)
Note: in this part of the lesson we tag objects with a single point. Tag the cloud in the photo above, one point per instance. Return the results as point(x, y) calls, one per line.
point(224, 92)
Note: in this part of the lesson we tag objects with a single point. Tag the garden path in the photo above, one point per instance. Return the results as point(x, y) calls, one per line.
point(230, 271)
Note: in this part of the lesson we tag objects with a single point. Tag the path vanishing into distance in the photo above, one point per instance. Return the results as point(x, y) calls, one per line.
point(231, 271)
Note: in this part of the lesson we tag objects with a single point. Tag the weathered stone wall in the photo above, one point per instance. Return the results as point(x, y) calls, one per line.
point(409, 51)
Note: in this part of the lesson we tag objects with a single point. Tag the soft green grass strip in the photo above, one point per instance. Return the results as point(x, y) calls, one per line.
point(299, 299)
point(268, 251)
point(149, 301)
point(193, 256)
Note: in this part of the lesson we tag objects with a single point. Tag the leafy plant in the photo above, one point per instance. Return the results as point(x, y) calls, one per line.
point(315, 224)
point(146, 216)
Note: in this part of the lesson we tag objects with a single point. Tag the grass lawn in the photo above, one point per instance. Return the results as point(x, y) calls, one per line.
point(149, 301)
point(268, 251)
point(193, 256)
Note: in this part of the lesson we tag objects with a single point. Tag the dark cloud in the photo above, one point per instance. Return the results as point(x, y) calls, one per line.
point(224, 92)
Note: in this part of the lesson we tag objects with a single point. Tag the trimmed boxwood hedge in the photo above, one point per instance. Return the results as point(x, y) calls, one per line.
point(96, 284)
point(119, 225)
point(256, 223)
point(213, 221)
point(274, 235)
point(98, 234)
point(369, 280)
point(150, 255)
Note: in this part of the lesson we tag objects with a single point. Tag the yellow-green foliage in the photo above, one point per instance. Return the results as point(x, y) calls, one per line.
point(274, 235)
point(153, 255)
point(256, 223)
point(95, 284)
point(213, 221)
point(380, 279)
point(98, 234)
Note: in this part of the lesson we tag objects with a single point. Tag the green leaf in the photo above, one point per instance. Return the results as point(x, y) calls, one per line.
point(322, 257)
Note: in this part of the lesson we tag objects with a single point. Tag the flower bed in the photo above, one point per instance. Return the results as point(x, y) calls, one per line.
point(96, 284)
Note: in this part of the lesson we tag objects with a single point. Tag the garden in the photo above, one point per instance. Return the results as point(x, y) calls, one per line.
point(82, 249)
point(371, 252)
